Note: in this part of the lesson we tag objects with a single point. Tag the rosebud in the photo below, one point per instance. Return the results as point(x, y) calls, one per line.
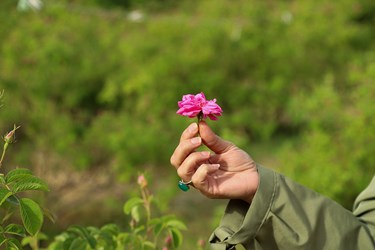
point(142, 182)
point(168, 240)
point(10, 136)
point(201, 243)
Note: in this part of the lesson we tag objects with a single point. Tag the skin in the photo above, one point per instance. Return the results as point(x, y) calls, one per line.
point(225, 172)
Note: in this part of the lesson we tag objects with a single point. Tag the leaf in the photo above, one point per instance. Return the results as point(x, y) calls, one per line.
point(56, 246)
point(2, 240)
point(4, 194)
point(176, 237)
point(136, 215)
point(49, 214)
point(154, 221)
point(42, 236)
point(2, 179)
point(131, 203)
point(32, 215)
point(13, 199)
point(8, 215)
point(93, 231)
point(84, 233)
point(176, 224)
point(158, 228)
point(138, 229)
point(29, 239)
point(15, 229)
point(28, 182)
point(107, 238)
point(157, 225)
point(67, 243)
point(109, 234)
point(13, 244)
point(149, 245)
point(78, 244)
point(17, 173)
point(110, 228)
point(123, 238)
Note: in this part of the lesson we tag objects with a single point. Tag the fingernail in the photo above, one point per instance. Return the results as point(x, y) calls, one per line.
point(193, 128)
point(196, 140)
point(205, 153)
point(215, 166)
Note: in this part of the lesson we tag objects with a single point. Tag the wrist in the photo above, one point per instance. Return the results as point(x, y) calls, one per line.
point(253, 184)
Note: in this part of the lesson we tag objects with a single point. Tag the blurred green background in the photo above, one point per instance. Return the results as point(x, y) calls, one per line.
point(95, 84)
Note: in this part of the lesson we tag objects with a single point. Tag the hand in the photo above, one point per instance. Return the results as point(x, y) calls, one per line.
point(226, 172)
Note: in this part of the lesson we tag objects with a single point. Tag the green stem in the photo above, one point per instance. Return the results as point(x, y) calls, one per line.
point(34, 242)
point(3, 154)
point(147, 203)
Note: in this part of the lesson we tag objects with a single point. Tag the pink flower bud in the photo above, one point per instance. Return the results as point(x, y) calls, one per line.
point(142, 182)
point(201, 243)
point(168, 240)
point(10, 136)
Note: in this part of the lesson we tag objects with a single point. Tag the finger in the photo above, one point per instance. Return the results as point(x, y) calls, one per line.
point(189, 132)
point(211, 140)
point(202, 178)
point(191, 163)
point(184, 148)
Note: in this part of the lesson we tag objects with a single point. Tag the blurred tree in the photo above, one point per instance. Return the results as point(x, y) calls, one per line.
point(93, 87)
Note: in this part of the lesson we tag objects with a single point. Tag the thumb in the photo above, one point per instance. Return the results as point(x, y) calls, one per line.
point(211, 140)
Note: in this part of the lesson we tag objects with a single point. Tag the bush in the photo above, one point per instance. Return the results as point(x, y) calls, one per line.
point(336, 150)
point(13, 185)
point(98, 88)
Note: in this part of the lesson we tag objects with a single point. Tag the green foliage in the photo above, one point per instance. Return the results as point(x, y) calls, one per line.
point(145, 232)
point(97, 88)
point(12, 184)
point(31, 214)
point(107, 94)
point(336, 149)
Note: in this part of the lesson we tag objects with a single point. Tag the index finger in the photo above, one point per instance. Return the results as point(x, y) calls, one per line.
point(188, 143)
point(189, 132)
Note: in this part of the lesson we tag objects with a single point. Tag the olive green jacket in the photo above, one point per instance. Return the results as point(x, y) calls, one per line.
point(286, 215)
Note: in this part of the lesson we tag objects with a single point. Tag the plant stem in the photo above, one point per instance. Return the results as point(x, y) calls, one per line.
point(3, 154)
point(200, 118)
point(147, 203)
point(34, 242)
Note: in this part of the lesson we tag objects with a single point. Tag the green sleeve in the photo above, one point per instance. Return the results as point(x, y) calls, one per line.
point(286, 215)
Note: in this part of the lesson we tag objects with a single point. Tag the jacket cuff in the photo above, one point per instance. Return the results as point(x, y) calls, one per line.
point(242, 221)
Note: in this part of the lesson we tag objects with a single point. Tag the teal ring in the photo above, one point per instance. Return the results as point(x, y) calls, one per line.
point(184, 186)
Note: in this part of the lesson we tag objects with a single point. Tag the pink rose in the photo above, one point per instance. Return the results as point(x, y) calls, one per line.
point(197, 105)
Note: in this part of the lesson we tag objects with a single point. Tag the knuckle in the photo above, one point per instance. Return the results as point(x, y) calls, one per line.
point(173, 161)
point(180, 172)
point(204, 169)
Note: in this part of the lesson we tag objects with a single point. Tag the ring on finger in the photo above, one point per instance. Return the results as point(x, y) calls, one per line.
point(184, 186)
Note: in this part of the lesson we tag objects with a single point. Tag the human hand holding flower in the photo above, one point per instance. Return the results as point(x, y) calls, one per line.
point(227, 171)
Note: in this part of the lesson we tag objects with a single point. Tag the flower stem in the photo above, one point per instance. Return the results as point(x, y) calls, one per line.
point(3, 154)
point(200, 118)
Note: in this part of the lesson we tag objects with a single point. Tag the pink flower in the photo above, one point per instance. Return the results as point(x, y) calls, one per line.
point(142, 181)
point(197, 105)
